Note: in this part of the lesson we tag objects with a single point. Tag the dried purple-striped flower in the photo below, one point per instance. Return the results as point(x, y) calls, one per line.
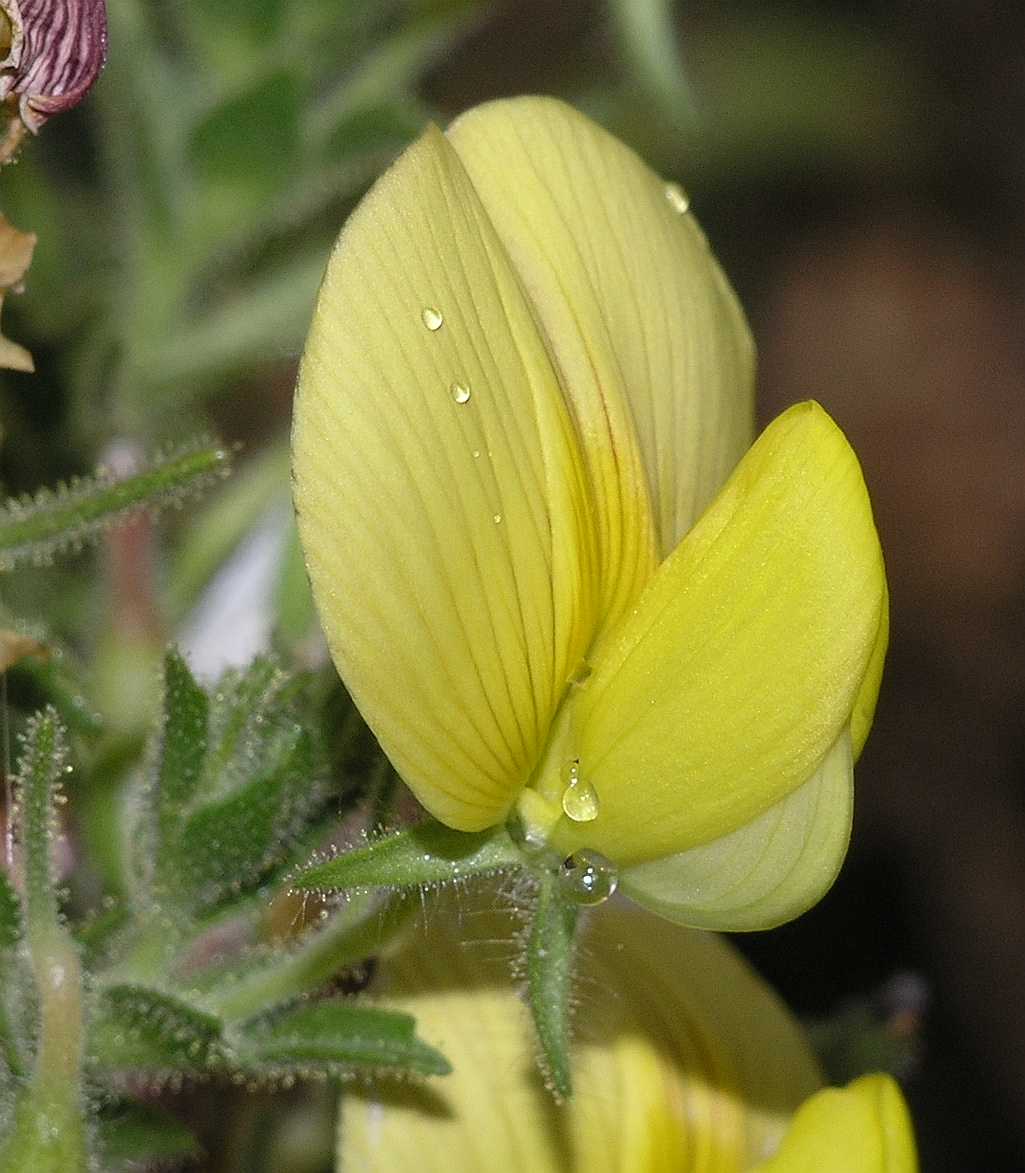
point(57, 48)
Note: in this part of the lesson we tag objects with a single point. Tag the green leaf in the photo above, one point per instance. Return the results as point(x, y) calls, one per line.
point(550, 949)
point(184, 741)
point(429, 853)
point(238, 782)
point(142, 1029)
point(133, 1137)
point(10, 913)
point(239, 729)
point(336, 1036)
point(39, 771)
point(231, 844)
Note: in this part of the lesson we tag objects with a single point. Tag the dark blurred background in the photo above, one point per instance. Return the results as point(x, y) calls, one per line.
point(860, 170)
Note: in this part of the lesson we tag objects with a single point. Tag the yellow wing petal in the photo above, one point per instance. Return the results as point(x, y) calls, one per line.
point(652, 347)
point(684, 1059)
point(863, 1128)
point(440, 499)
point(740, 665)
point(765, 873)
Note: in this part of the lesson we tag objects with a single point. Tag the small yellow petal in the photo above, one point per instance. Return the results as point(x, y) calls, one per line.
point(863, 1128)
point(440, 498)
point(651, 345)
point(868, 694)
point(670, 1067)
point(739, 667)
point(765, 873)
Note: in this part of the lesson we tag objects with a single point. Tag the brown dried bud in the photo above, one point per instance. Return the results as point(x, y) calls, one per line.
point(57, 48)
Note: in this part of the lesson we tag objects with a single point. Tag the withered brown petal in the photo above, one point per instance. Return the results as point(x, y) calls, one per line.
point(57, 49)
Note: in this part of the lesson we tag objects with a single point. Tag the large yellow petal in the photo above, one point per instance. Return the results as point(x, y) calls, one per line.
point(863, 1128)
point(654, 353)
point(684, 1059)
point(740, 665)
point(440, 498)
point(765, 873)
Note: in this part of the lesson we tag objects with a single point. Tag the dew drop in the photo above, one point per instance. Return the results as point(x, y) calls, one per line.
point(432, 318)
point(460, 392)
point(579, 799)
point(497, 518)
point(587, 877)
point(678, 199)
point(476, 454)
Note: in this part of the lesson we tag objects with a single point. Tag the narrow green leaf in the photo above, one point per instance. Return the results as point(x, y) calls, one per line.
point(550, 948)
point(35, 529)
point(429, 853)
point(141, 1029)
point(336, 1036)
point(10, 913)
point(134, 1136)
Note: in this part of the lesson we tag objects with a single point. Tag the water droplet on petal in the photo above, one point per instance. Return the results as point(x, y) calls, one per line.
point(587, 877)
point(579, 799)
point(678, 199)
point(476, 454)
point(497, 518)
point(460, 392)
point(432, 318)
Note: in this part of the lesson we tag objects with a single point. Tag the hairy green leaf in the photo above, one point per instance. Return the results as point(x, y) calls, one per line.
point(36, 529)
point(230, 844)
point(184, 742)
point(429, 853)
point(137, 1028)
point(40, 769)
point(550, 948)
point(337, 1035)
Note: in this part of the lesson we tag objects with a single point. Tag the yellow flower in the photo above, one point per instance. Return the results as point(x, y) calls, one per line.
point(685, 1061)
point(546, 580)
